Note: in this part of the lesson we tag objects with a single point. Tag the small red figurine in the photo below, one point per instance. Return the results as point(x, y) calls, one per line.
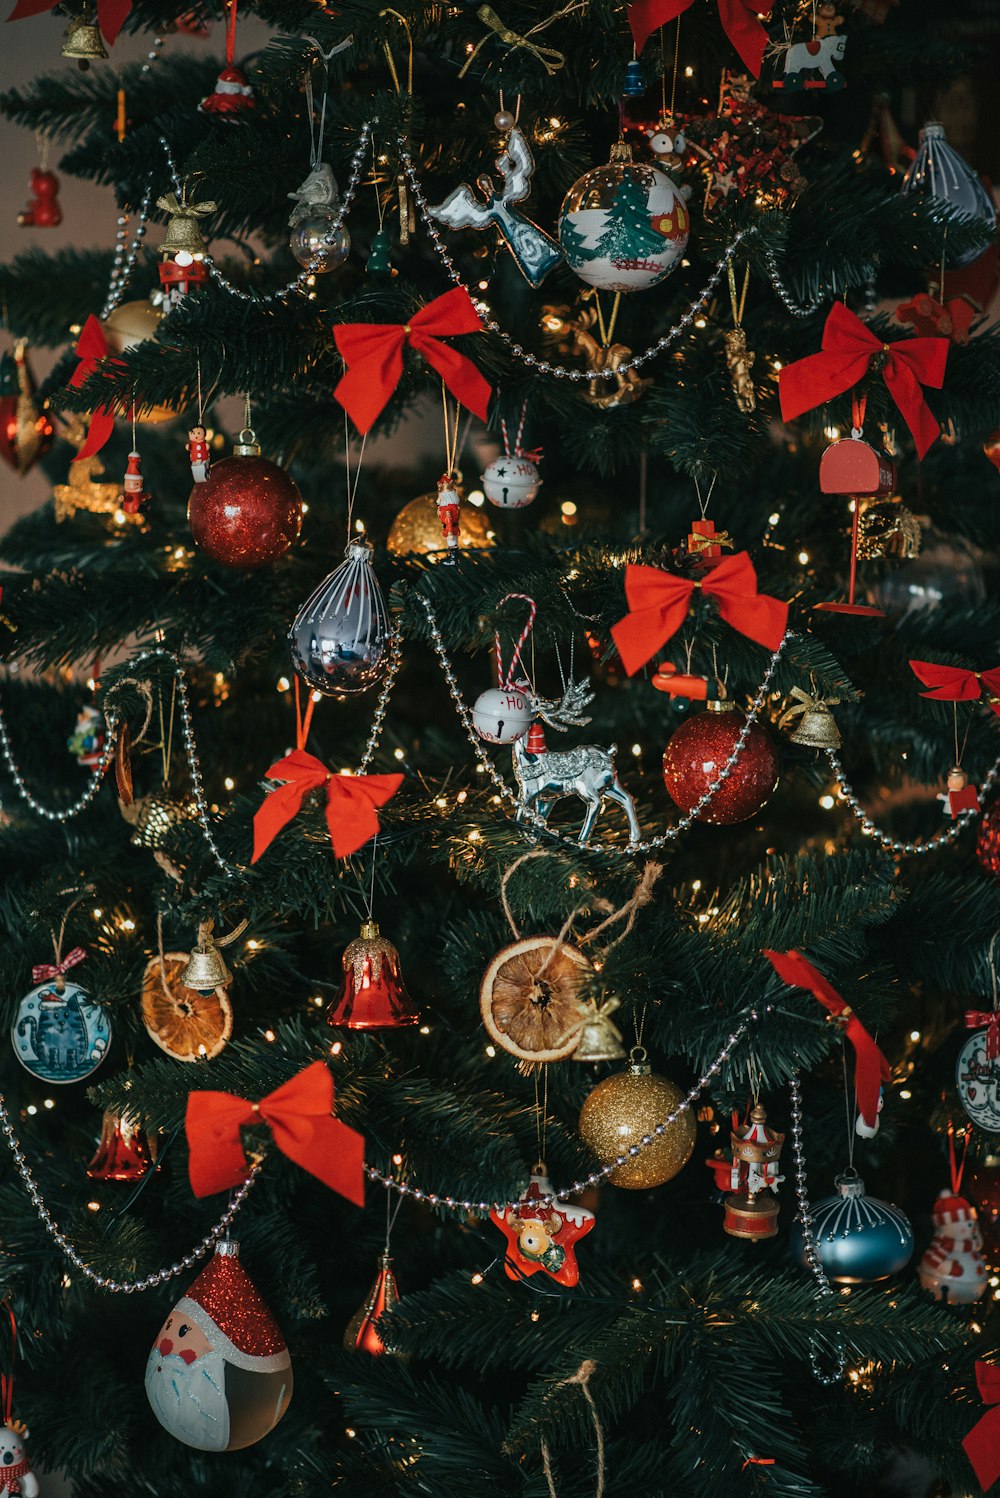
point(198, 453)
point(448, 502)
point(961, 794)
point(134, 496)
point(43, 212)
point(232, 94)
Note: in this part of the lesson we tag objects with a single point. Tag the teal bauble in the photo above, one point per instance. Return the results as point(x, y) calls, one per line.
point(858, 1238)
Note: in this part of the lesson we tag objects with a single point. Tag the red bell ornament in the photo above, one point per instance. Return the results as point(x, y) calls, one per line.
point(248, 511)
point(362, 1333)
point(123, 1153)
point(373, 996)
point(699, 750)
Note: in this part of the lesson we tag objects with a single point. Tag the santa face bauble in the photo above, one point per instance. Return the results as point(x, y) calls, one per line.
point(219, 1376)
point(511, 483)
point(624, 226)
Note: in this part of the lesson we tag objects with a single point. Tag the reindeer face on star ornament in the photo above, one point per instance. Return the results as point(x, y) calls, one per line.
point(542, 1235)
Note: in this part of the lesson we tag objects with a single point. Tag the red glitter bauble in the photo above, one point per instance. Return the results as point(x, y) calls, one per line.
point(988, 841)
point(247, 512)
point(697, 752)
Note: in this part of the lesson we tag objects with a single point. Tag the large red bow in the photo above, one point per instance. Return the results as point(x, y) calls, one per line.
point(848, 350)
point(300, 1117)
point(982, 1444)
point(740, 21)
point(110, 14)
point(955, 684)
point(92, 347)
point(658, 602)
point(373, 353)
point(350, 802)
point(48, 970)
point(871, 1068)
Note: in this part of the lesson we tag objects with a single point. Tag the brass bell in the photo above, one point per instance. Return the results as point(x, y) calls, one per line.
point(600, 1039)
point(206, 969)
point(82, 40)
point(183, 240)
point(817, 727)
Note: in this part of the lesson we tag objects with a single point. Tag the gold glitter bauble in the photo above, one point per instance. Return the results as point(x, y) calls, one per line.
point(417, 528)
point(131, 323)
point(624, 1108)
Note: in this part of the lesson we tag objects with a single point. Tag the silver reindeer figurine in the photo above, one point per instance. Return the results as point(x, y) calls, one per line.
point(586, 771)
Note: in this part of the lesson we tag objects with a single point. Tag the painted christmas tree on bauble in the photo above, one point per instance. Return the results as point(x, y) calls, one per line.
point(624, 226)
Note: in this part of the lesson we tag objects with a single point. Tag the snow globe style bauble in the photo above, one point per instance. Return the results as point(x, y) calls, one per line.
point(624, 226)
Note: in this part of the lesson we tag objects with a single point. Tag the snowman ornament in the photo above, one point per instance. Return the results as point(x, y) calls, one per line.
point(512, 481)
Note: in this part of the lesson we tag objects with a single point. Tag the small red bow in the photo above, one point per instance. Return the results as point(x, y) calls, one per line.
point(658, 603)
point(45, 971)
point(373, 353)
point(300, 1117)
point(975, 1019)
point(847, 353)
point(955, 684)
point(740, 21)
point(350, 802)
point(871, 1068)
point(110, 14)
point(982, 1444)
point(92, 347)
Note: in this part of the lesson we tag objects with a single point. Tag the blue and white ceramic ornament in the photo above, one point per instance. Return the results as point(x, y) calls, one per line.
point(859, 1239)
point(60, 1035)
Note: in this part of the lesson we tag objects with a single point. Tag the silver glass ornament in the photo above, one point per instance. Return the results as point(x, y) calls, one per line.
point(939, 172)
point(340, 638)
point(316, 241)
point(858, 1238)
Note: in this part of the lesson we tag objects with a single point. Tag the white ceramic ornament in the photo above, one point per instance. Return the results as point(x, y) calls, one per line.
point(502, 715)
point(977, 1077)
point(624, 226)
point(952, 1267)
point(60, 1037)
point(511, 482)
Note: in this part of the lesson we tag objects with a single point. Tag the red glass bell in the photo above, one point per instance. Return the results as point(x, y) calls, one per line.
point(362, 1329)
point(123, 1153)
point(374, 995)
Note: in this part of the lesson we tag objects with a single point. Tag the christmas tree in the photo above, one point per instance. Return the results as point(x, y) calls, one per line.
point(629, 233)
point(297, 957)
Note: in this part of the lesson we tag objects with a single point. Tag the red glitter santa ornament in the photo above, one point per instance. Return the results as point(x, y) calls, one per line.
point(232, 95)
point(219, 1376)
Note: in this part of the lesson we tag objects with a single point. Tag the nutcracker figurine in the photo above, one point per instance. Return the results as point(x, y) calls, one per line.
point(198, 453)
point(448, 501)
point(134, 495)
point(751, 1208)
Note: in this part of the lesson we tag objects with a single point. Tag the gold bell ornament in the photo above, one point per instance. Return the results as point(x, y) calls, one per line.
point(600, 1038)
point(183, 239)
point(816, 728)
point(751, 1208)
point(82, 40)
point(633, 1106)
point(206, 968)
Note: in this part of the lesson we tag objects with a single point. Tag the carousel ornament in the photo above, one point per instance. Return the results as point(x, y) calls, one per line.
point(751, 1207)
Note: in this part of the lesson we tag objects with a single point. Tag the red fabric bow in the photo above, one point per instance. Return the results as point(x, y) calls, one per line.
point(110, 14)
point(92, 347)
point(955, 684)
point(373, 353)
point(871, 1068)
point(975, 1019)
point(300, 1117)
point(350, 802)
point(982, 1444)
point(48, 970)
point(658, 603)
point(847, 353)
point(740, 21)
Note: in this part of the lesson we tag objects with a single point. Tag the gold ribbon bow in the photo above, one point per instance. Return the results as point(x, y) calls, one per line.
point(806, 703)
point(550, 59)
point(698, 542)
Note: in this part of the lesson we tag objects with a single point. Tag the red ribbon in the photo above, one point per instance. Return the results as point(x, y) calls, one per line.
point(46, 970)
point(982, 1444)
point(300, 1118)
point(92, 347)
point(955, 684)
point(110, 14)
point(847, 353)
point(740, 21)
point(975, 1019)
point(871, 1068)
point(373, 353)
point(658, 603)
point(350, 802)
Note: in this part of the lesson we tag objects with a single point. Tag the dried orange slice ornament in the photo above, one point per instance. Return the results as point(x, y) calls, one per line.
point(188, 1025)
point(531, 998)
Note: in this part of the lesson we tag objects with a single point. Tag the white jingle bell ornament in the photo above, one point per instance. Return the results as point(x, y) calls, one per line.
point(504, 713)
point(511, 482)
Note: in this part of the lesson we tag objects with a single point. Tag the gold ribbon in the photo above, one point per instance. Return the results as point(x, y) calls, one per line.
point(698, 542)
point(550, 59)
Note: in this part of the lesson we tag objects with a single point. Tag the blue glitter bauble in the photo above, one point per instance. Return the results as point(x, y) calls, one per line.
point(858, 1238)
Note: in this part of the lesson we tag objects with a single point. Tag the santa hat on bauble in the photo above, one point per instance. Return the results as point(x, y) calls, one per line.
point(224, 1303)
point(232, 94)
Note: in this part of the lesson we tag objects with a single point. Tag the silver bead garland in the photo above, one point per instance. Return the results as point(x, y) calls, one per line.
point(118, 1287)
point(791, 305)
point(375, 733)
point(824, 1289)
point(947, 834)
point(85, 797)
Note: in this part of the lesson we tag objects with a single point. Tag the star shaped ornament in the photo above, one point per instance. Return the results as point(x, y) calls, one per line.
point(542, 1235)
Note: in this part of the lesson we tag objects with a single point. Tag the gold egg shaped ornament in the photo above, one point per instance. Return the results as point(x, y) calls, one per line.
point(627, 1107)
point(417, 530)
point(129, 324)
